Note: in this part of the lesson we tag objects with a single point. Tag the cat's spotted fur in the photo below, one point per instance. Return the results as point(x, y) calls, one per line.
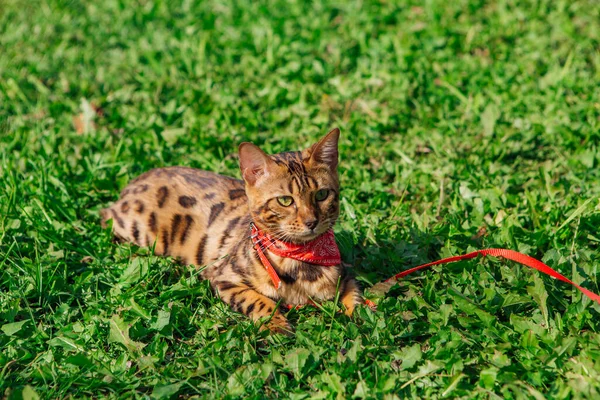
point(204, 219)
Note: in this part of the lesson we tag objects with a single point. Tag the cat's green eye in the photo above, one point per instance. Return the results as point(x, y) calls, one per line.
point(285, 201)
point(322, 194)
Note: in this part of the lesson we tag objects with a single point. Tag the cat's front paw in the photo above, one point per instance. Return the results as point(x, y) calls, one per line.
point(351, 296)
point(280, 324)
point(351, 305)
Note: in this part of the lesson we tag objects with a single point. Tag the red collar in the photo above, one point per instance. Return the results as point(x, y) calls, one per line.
point(320, 251)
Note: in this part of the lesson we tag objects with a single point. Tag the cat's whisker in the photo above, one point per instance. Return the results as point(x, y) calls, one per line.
point(278, 235)
point(273, 242)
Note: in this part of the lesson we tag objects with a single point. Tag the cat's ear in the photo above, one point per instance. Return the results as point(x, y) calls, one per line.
point(254, 163)
point(326, 150)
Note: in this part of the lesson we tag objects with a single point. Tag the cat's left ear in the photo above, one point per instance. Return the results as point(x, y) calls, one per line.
point(326, 150)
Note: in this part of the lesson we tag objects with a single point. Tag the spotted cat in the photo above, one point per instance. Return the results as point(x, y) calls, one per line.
point(207, 219)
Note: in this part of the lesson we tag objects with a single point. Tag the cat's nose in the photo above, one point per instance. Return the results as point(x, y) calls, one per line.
point(311, 223)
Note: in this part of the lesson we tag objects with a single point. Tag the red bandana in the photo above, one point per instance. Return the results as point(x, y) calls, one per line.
point(321, 251)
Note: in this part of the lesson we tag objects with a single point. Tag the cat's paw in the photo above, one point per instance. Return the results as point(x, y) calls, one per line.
point(351, 296)
point(366, 303)
point(351, 304)
point(280, 324)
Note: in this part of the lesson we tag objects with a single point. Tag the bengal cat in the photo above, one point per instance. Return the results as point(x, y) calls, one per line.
point(206, 219)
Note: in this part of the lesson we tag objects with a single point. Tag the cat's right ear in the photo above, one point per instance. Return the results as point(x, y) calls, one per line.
point(254, 163)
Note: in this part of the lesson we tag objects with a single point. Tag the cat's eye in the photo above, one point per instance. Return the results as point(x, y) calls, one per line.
point(322, 194)
point(285, 201)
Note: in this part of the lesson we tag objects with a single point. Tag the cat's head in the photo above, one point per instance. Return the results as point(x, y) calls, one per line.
point(293, 196)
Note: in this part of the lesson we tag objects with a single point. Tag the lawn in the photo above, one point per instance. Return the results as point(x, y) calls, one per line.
point(465, 125)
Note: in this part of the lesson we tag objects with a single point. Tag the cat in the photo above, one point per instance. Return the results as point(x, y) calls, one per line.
point(288, 200)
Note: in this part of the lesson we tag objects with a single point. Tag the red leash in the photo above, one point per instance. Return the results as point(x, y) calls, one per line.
point(504, 253)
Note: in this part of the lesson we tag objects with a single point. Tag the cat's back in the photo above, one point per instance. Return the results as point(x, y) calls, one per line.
point(197, 181)
point(189, 213)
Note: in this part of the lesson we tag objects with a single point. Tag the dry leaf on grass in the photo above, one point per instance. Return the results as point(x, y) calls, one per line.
point(84, 121)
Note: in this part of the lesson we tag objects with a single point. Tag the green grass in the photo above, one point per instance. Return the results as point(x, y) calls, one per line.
point(466, 125)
